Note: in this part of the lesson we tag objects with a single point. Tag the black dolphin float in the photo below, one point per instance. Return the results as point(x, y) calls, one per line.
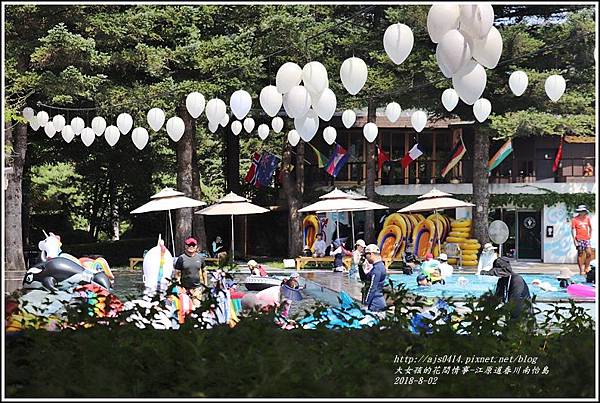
point(50, 273)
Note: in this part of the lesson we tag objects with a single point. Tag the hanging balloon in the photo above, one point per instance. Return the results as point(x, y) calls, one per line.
point(482, 109)
point(442, 18)
point(477, 19)
point(213, 126)
point(518, 82)
point(329, 135)
point(215, 109)
point(325, 104)
point(353, 74)
point(139, 136)
point(469, 82)
point(288, 76)
point(398, 42)
point(49, 129)
point(314, 77)
point(270, 100)
point(293, 137)
point(277, 124)
point(298, 101)
point(124, 122)
point(263, 131)
point(249, 124)
point(87, 136)
point(454, 51)
point(28, 113)
point(443, 68)
point(555, 86)
point(194, 103)
point(43, 118)
point(286, 108)
point(34, 123)
point(370, 131)
point(225, 121)
point(59, 122)
point(348, 118)
point(487, 50)
point(77, 124)
point(449, 99)
point(98, 125)
point(236, 127)
point(307, 127)
point(156, 118)
point(175, 128)
point(112, 135)
point(418, 120)
point(240, 103)
point(393, 111)
point(67, 133)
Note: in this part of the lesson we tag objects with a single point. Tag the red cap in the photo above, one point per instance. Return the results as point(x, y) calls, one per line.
point(191, 241)
point(429, 256)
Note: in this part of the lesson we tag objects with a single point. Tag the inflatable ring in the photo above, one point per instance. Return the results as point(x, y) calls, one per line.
point(452, 239)
point(458, 234)
point(310, 229)
point(469, 263)
point(97, 265)
point(471, 240)
point(470, 246)
point(581, 290)
point(452, 261)
point(390, 240)
point(462, 222)
point(423, 237)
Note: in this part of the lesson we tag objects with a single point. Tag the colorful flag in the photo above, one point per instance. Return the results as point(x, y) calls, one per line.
point(338, 159)
point(381, 158)
point(321, 158)
point(558, 156)
point(500, 155)
point(412, 155)
point(251, 175)
point(266, 167)
point(455, 156)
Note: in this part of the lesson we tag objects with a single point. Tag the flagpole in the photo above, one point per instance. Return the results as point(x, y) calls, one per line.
point(352, 220)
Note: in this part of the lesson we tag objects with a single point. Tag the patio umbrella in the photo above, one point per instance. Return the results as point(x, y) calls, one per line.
point(166, 200)
point(231, 205)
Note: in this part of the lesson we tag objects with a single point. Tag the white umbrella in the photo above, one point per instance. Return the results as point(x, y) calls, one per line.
point(232, 204)
point(166, 200)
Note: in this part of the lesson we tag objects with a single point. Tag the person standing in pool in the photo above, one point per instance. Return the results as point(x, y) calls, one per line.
point(582, 234)
point(189, 269)
point(375, 300)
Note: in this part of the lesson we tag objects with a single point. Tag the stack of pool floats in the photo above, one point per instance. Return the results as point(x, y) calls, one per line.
point(469, 247)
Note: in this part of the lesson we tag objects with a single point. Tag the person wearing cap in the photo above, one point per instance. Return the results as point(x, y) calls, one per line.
point(319, 246)
point(564, 278)
point(293, 283)
point(487, 258)
point(190, 270)
point(375, 300)
point(256, 269)
point(445, 269)
point(357, 258)
point(423, 280)
point(581, 227)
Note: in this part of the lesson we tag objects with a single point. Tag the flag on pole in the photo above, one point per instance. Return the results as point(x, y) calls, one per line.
point(455, 156)
point(338, 159)
point(412, 155)
point(382, 157)
point(266, 167)
point(321, 158)
point(558, 155)
point(251, 175)
point(500, 155)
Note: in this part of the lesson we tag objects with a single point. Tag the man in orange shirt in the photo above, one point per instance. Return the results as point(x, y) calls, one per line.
point(581, 226)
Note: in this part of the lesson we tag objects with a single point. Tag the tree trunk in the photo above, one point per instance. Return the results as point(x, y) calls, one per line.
point(292, 190)
point(198, 228)
point(114, 211)
point(481, 197)
point(370, 180)
point(183, 216)
point(233, 161)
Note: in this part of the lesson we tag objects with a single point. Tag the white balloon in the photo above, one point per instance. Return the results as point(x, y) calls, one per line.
point(270, 100)
point(325, 104)
point(307, 127)
point(286, 107)
point(487, 51)
point(418, 120)
point(98, 125)
point(288, 76)
point(263, 131)
point(518, 82)
point(213, 126)
point(49, 129)
point(482, 109)
point(398, 42)
point(393, 111)
point(329, 135)
point(353, 74)
point(124, 122)
point(59, 122)
point(449, 99)
point(156, 118)
point(87, 136)
point(298, 101)
point(194, 103)
point(175, 128)
point(28, 113)
point(441, 18)
point(555, 86)
point(443, 68)
point(348, 118)
point(249, 124)
point(293, 137)
point(67, 133)
point(215, 109)
point(477, 19)
point(277, 124)
point(314, 76)
point(34, 123)
point(43, 118)
point(240, 103)
point(236, 127)
point(370, 131)
point(139, 136)
point(77, 124)
point(112, 135)
point(470, 82)
point(225, 121)
point(454, 51)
